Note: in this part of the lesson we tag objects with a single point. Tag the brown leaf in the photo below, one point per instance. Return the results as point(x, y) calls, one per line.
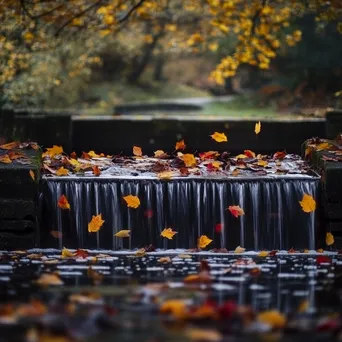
point(32, 175)
point(5, 159)
point(137, 151)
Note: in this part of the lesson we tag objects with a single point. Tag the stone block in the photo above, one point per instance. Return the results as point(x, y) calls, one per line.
point(333, 123)
point(17, 209)
point(18, 234)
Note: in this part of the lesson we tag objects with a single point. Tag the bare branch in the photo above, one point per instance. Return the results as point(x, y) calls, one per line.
point(129, 13)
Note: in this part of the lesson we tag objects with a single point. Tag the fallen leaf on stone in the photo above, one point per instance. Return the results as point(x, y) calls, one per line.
point(166, 174)
point(209, 155)
point(279, 155)
point(239, 249)
point(132, 201)
point(53, 151)
point(5, 159)
point(123, 233)
point(96, 170)
point(216, 164)
point(273, 318)
point(323, 146)
point(47, 279)
point(241, 156)
point(168, 233)
point(184, 256)
point(180, 145)
point(263, 254)
point(306, 251)
point(236, 211)
point(66, 253)
point(164, 260)
point(81, 253)
point(320, 250)
point(219, 137)
point(249, 153)
point(92, 154)
point(262, 163)
point(160, 154)
point(329, 239)
point(308, 203)
point(257, 127)
point(95, 224)
point(137, 151)
point(62, 171)
point(235, 172)
point(140, 252)
point(203, 241)
point(200, 335)
point(10, 146)
point(189, 160)
point(63, 203)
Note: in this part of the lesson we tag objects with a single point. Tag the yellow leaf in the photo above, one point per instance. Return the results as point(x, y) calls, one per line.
point(137, 151)
point(95, 224)
point(308, 203)
point(323, 146)
point(216, 164)
point(123, 233)
point(180, 145)
point(132, 201)
point(262, 163)
point(166, 174)
point(159, 153)
point(52, 151)
point(10, 146)
point(164, 260)
point(47, 279)
point(5, 159)
point(273, 318)
point(219, 137)
point(236, 210)
point(241, 156)
point(62, 171)
point(303, 306)
point(199, 334)
point(140, 252)
point(329, 239)
point(306, 251)
point(263, 254)
point(92, 154)
point(32, 175)
point(235, 172)
point(66, 253)
point(239, 249)
point(189, 160)
point(176, 307)
point(308, 151)
point(257, 128)
point(63, 203)
point(168, 233)
point(203, 241)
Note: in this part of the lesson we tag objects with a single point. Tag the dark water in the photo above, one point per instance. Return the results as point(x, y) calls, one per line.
point(192, 207)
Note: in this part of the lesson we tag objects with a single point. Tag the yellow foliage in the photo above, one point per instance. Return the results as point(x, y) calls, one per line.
point(308, 203)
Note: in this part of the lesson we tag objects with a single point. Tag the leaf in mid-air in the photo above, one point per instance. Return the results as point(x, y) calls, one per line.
point(236, 211)
point(180, 145)
point(32, 175)
point(95, 224)
point(308, 203)
point(123, 233)
point(63, 203)
point(137, 151)
point(329, 239)
point(203, 241)
point(132, 201)
point(219, 137)
point(168, 233)
point(257, 128)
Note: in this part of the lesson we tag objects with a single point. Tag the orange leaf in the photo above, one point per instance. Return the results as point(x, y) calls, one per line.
point(262, 163)
point(189, 160)
point(132, 201)
point(308, 203)
point(63, 203)
point(236, 210)
point(273, 318)
point(47, 279)
point(249, 153)
point(10, 146)
point(81, 253)
point(329, 239)
point(32, 175)
point(160, 154)
point(168, 233)
point(235, 172)
point(96, 170)
point(137, 151)
point(257, 128)
point(73, 155)
point(5, 159)
point(166, 174)
point(180, 145)
point(209, 155)
point(323, 146)
point(176, 307)
point(95, 276)
point(123, 233)
point(62, 171)
point(219, 137)
point(203, 241)
point(279, 155)
point(52, 151)
point(95, 224)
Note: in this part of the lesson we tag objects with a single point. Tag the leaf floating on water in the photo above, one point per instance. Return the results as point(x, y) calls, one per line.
point(180, 145)
point(308, 203)
point(66, 253)
point(53, 151)
point(203, 241)
point(257, 128)
point(168, 233)
point(132, 201)
point(137, 151)
point(5, 159)
point(32, 175)
point(63, 203)
point(329, 239)
point(273, 318)
point(95, 224)
point(189, 160)
point(47, 279)
point(219, 137)
point(236, 211)
point(239, 250)
point(62, 171)
point(123, 233)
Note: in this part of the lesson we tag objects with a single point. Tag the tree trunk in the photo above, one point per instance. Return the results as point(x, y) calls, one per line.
point(159, 68)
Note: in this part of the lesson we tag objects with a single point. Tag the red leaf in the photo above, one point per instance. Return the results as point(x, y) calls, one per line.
point(227, 309)
point(148, 213)
point(219, 227)
point(323, 259)
point(273, 253)
point(81, 253)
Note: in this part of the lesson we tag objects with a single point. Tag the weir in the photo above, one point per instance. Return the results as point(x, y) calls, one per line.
point(192, 206)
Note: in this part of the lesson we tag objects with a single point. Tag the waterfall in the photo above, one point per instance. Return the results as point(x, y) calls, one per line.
point(192, 207)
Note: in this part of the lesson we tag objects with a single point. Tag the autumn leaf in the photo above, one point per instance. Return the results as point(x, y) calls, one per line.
point(219, 228)
point(323, 146)
point(257, 128)
point(32, 175)
point(308, 203)
point(175, 307)
point(235, 172)
point(209, 155)
point(47, 279)
point(241, 156)
point(123, 233)
point(180, 145)
point(219, 137)
point(52, 151)
point(279, 155)
point(10, 146)
point(239, 250)
point(56, 234)
point(137, 151)
point(189, 160)
point(263, 254)
point(92, 154)
point(160, 154)
point(320, 250)
point(236, 211)
point(216, 164)
point(63, 203)
point(249, 153)
point(62, 171)
point(168, 233)
point(5, 159)
point(140, 252)
point(96, 170)
point(66, 253)
point(273, 318)
point(81, 253)
point(308, 151)
point(164, 260)
point(166, 174)
point(203, 241)
point(95, 224)
point(329, 239)
point(262, 163)
point(132, 201)
point(200, 334)
point(95, 276)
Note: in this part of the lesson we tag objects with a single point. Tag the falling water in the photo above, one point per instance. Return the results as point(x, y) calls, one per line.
point(192, 207)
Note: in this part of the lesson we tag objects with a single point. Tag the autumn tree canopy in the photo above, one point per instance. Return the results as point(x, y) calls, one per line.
point(261, 28)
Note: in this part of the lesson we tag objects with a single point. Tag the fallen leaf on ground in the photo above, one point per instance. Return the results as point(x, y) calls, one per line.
point(262, 163)
point(62, 171)
point(132, 201)
point(308, 203)
point(137, 151)
point(236, 211)
point(180, 145)
point(53, 151)
point(168, 233)
point(160, 154)
point(320, 250)
point(66, 253)
point(63, 203)
point(239, 249)
point(189, 160)
point(209, 155)
point(32, 175)
point(279, 155)
point(203, 241)
point(273, 318)
point(47, 279)
point(184, 256)
point(5, 159)
point(241, 156)
point(219, 137)
point(166, 174)
point(95, 224)
point(329, 239)
point(257, 127)
point(123, 233)
point(323, 146)
point(235, 172)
